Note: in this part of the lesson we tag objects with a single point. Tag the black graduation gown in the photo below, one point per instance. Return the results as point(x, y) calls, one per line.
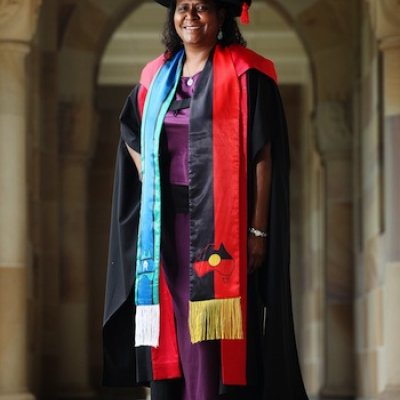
point(273, 369)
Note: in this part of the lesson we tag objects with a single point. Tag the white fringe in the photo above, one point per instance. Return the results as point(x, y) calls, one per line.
point(147, 321)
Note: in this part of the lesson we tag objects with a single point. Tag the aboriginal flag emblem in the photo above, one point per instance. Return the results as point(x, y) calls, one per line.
point(215, 260)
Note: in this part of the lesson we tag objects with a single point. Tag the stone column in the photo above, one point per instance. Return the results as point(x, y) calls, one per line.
point(17, 23)
point(334, 143)
point(385, 16)
point(75, 126)
point(74, 292)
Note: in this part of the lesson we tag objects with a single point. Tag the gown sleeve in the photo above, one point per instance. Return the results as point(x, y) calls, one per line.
point(130, 121)
point(119, 355)
point(279, 368)
point(266, 114)
point(266, 125)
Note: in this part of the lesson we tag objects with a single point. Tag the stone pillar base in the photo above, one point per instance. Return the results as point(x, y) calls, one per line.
point(17, 396)
point(390, 393)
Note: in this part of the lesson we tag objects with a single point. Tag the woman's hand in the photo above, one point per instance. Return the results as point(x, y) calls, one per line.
point(137, 160)
point(256, 252)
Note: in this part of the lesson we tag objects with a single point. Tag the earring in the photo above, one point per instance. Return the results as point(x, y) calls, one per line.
point(220, 35)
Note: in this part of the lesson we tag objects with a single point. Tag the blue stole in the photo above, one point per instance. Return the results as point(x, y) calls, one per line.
point(158, 100)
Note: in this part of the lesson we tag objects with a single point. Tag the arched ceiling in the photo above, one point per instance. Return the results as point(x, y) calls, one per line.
point(137, 40)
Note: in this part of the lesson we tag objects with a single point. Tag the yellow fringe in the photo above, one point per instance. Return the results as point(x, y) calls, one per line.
point(215, 319)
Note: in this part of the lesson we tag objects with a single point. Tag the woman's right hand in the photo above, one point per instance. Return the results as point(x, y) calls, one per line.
point(256, 252)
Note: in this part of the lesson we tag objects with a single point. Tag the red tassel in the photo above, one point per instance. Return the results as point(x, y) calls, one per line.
point(244, 17)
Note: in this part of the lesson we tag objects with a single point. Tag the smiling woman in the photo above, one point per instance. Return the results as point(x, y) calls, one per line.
point(197, 24)
point(208, 232)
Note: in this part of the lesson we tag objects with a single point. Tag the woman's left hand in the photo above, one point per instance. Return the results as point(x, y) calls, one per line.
point(256, 251)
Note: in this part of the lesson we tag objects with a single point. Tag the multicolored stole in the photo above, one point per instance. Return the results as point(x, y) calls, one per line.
point(147, 300)
point(217, 205)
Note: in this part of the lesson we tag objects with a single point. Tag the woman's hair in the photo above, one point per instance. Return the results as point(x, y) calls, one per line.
point(230, 31)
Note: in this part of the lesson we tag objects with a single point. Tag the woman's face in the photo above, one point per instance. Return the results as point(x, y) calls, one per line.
point(197, 22)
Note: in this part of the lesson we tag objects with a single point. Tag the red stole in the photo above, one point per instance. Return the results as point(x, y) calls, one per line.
point(229, 103)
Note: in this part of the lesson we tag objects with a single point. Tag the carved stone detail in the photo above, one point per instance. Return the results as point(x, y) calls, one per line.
point(385, 18)
point(18, 20)
point(334, 133)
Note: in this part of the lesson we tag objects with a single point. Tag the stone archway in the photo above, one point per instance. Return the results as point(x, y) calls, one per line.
point(85, 36)
point(73, 45)
point(115, 84)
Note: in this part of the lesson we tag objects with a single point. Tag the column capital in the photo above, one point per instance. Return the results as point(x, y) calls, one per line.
point(385, 18)
point(18, 20)
point(334, 137)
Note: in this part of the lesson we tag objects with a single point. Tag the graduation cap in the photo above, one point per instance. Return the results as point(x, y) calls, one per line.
point(239, 7)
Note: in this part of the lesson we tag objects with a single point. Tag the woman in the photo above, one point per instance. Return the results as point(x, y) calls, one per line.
point(204, 247)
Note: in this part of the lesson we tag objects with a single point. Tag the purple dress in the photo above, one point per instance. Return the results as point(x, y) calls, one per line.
point(200, 361)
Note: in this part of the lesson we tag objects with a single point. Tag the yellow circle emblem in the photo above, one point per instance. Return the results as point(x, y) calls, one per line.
point(214, 260)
